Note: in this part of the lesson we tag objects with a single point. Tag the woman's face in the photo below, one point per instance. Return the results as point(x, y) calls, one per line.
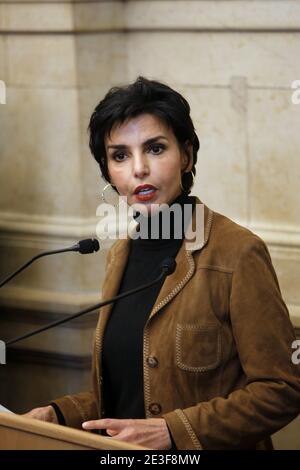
point(144, 151)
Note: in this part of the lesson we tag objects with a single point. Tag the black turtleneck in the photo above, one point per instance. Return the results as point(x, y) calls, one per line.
point(123, 391)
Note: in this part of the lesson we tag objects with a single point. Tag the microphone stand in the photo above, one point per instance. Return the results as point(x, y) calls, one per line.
point(164, 273)
point(84, 247)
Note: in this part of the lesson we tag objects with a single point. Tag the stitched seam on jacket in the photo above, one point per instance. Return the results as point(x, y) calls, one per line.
point(183, 366)
point(189, 429)
point(97, 359)
point(98, 343)
point(99, 347)
point(215, 268)
point(79, 407)
point(146, 376)
point(189, 273)
point(178, 287)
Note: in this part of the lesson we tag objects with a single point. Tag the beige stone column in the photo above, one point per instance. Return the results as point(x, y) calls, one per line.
point(57, 59)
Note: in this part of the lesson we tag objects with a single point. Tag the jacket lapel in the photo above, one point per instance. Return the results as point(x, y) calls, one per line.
point(185, 266)
point(114, 274)
point(173, 283)
point(115, 271)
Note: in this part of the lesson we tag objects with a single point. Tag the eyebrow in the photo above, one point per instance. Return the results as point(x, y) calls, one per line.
point(147, 142)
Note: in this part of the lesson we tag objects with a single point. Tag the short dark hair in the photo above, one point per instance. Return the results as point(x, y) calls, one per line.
point(143, 96)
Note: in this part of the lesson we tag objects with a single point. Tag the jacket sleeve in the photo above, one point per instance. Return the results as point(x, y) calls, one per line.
point(264, 335)
point(78, 408)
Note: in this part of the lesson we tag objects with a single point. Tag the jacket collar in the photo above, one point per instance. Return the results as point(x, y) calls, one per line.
point(174, 282)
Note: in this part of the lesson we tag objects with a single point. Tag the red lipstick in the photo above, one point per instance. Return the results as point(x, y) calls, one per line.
point(145, 192)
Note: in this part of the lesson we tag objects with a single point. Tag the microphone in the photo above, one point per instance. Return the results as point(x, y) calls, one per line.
point(86, 246)
point(83, 246)
point(167, 267)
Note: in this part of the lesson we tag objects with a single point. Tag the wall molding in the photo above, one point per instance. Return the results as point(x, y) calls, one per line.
point(46, 232)
point(38, 230)
point(283, 237)
point(49, 358)
point(46, 226)
point(132, 16)
point(43, 307)
point(47, 301)
point(294, 311)
point(41, 317)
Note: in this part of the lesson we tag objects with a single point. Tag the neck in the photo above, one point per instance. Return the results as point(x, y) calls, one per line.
point(166, 224)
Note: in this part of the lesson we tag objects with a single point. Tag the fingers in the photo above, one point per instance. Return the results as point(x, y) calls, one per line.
point(114, 425)
point(152, 432)
point(45, 413)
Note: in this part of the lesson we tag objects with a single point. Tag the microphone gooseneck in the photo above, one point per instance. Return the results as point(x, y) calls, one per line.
point(168, 266)
point(84, 246)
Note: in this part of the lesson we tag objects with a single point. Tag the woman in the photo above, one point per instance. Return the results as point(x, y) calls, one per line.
point(202, 361)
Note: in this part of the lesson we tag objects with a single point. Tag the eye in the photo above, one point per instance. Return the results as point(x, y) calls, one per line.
point(118, 157)
point(157, 149)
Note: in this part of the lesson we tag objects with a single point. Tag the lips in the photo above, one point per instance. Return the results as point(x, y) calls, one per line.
point(143, 188)
point(145, 192)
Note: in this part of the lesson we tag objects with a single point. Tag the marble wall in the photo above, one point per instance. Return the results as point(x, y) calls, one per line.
point(234, 61)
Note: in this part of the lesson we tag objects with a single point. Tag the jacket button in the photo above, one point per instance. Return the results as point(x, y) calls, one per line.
point(152, 361)
point(155, 408)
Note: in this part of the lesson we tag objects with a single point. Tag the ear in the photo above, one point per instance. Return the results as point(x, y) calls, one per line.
point(187, 158)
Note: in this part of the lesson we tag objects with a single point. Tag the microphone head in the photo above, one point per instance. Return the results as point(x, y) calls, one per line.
point(169, 265)
point(88, 245)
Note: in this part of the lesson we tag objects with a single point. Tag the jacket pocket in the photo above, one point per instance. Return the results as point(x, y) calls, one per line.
point(198, 347)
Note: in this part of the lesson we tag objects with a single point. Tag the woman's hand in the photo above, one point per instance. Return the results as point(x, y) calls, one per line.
point(152, 432)
point(45, 413)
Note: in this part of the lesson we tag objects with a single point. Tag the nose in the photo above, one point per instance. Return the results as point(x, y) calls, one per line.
point(140, 166)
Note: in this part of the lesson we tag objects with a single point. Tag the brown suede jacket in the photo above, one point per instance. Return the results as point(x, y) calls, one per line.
point(217, 344)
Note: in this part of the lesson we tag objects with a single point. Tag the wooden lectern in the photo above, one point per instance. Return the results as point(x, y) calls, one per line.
point(20, 433)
